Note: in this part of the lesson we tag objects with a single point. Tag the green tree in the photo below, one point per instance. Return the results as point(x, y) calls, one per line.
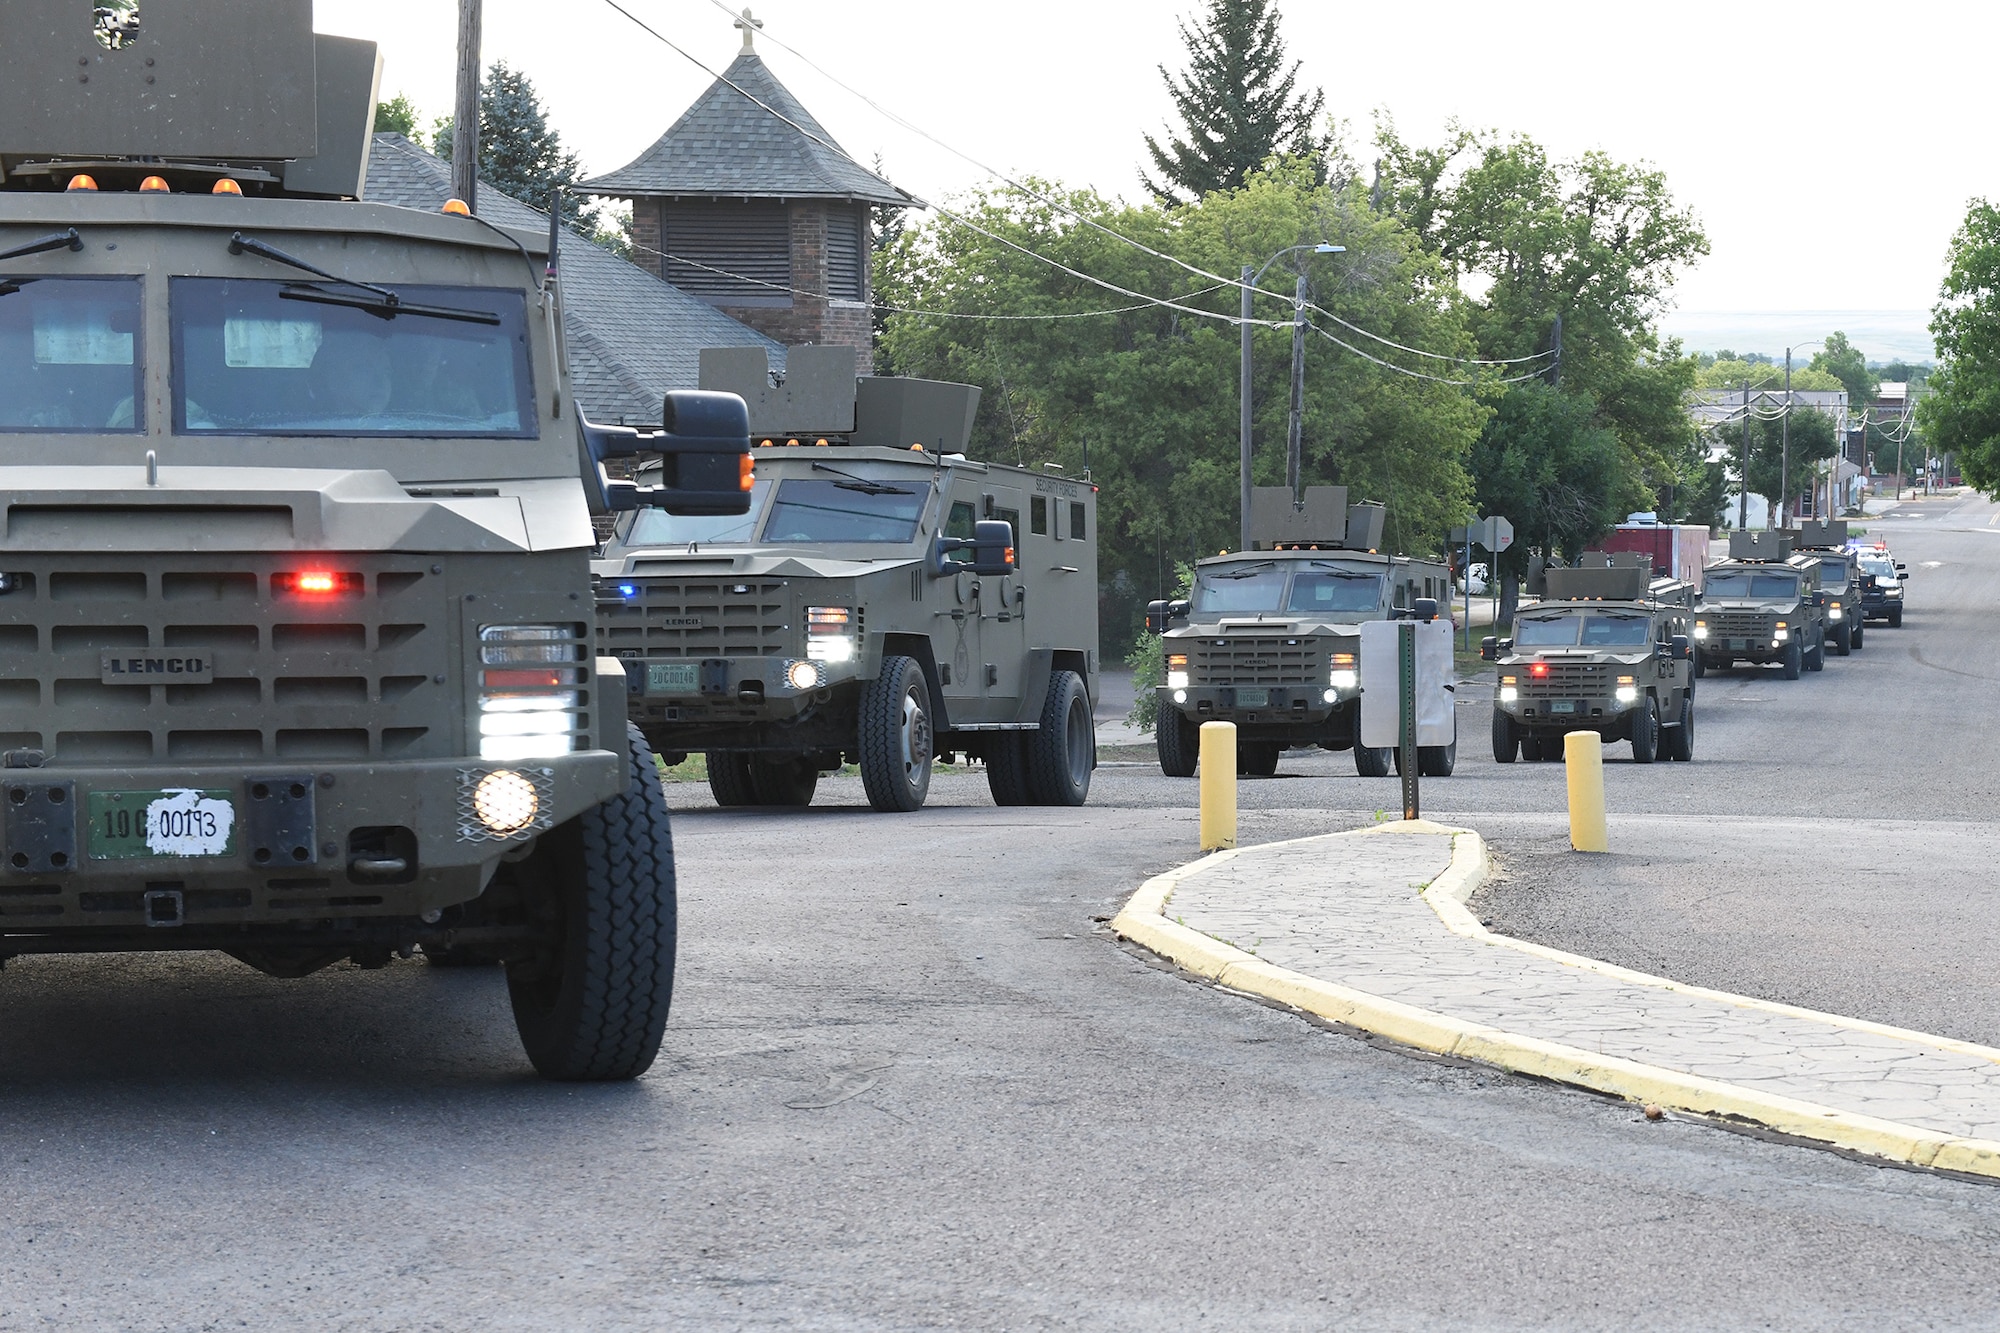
point(1960, 415)
point(520, 153)
point(1843, 360)
point(1238, 104)
point(1813, 441)
point(1733, 373)
point(398, 115)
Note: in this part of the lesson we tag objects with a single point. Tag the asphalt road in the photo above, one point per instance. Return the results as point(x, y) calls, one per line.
point(910, 1082)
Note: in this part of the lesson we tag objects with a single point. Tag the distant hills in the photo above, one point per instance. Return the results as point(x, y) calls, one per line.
point(1882, 335)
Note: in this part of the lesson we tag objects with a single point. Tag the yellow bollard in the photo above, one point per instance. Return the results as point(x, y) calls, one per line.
point(1218, 785)
point(1583, 757)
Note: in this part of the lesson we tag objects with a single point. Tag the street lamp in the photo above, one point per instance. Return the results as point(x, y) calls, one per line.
point(1250, 280)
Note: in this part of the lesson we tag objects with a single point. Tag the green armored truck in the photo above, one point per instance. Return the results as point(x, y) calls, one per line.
point(1840, 581)
point(1762, 605)
point(886, 601)
point(1270, 638)
point(1606, 649)
point(294, 572)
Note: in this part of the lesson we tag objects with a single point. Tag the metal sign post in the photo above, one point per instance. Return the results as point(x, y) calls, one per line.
point(1406, 661)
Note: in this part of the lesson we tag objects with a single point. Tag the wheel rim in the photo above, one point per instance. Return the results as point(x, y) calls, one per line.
point(916, 737)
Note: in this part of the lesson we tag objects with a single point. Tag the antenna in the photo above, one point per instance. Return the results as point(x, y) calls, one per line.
point(555, 234)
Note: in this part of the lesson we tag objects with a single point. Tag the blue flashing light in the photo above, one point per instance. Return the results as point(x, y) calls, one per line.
point(628, 590)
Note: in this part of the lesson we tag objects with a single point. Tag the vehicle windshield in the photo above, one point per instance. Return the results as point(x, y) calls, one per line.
point(1236, 589)
point(1757, 587)
point(249, 361)
point(837, 510)
point(1885, 569)
point(1334, 592)
point(656, 527)
point(69, 355)
point(1592, 631)
point(1832, 573)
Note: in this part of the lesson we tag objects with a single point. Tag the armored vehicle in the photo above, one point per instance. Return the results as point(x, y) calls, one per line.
point(1882, 592)
point(294, 574)
point(1840, 581)
point(1761, 605)
point(886, 601)
point(1270, 638)
point(1605, 650)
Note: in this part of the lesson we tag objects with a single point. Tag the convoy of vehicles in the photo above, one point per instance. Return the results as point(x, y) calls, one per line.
point(1762, 605)
point(1269, 639)
point(1839, 582)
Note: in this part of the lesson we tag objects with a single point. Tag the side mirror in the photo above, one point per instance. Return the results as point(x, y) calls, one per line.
point(704, 449)
point(1426, 609)
point(1489, 648)
point(991, 544)
point(1681, 647)
point(1902, 578)
point(1901, 565)
point(1160, 616)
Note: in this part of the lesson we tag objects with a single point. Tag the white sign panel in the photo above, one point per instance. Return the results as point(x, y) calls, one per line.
point(1381, 691)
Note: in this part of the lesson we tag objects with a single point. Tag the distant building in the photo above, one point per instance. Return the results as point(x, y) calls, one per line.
point(765, 220)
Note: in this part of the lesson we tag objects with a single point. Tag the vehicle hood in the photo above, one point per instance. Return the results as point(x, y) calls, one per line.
point(752, 562)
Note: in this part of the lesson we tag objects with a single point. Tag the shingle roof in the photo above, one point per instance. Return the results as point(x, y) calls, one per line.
point(630, 336)
point(727, 145)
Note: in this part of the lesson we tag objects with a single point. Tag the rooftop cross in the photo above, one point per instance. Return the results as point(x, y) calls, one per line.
point(749, 27)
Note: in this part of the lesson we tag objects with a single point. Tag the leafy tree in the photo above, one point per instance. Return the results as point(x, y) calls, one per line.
point(1843, 360)
point(1731, 374)
point(1900, 371)
point(1238, 104)
point(1813, 441)
point(520, 153)
point(398, 115)
point(1961, 414)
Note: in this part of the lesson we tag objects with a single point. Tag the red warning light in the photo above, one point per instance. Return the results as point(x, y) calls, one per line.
point(316, 583)
point(1538, 669)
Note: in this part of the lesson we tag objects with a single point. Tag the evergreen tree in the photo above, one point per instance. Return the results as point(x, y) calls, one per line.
point(1237, 103)
point(398, 115)
point(520, 153)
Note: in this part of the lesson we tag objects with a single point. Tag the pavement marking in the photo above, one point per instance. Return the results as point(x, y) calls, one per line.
point(1347, 926)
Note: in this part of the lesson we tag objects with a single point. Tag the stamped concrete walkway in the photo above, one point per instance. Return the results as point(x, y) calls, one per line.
point(1369, 928)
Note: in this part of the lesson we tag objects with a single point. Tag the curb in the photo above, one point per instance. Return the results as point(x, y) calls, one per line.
point(1143, 920)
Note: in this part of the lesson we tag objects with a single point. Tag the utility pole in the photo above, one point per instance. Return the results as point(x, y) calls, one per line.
point(1292, 436)
point(1785, 458)
point(465, 117)
point(1243, 407)
point(1899, 458)
point(1743, 492)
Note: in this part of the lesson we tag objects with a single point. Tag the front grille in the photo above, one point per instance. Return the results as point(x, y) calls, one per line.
point(348, 676)
point(1251, 660)
point(1741, 624)
point(1566, 679)
point(700, 618)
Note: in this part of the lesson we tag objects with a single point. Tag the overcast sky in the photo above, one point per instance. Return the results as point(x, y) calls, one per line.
point(1829, 149)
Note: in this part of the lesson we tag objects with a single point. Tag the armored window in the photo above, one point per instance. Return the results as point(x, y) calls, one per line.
point(1076, 522)
point(266, 358)
point(1335, 592)
point(729, 253)
point(656, 527)
point(960, 523)
point(1038, 514)
point(845, 511)
point(1616, 632)
point(70, 358)
point(1012, 518)
point(1242, 588)
point(846, 262)
point(1551, 632)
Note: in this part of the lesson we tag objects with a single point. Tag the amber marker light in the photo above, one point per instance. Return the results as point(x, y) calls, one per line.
point(227, 186)
point(82, 182)
point(746, 472)
point(154, 185)
point(456, 207)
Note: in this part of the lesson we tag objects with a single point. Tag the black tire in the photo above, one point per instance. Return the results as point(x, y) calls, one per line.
point(1506, 739)
point(729, 778)
point(1646, 732)
point(1794, 660)
point(1372, 761)
point(1007, 768)
point(1895, 617)
point(1816, 657)
point(1063, 751)
point(786, 779)
point(591, 1002)
point(1178, 742)
point(896, 738)
point(1679, 740)
point(1531, 747)
point(1257, 759)
point(1437, 761)
point(1843, 640)
point(1859, 634)
point(1700, 666)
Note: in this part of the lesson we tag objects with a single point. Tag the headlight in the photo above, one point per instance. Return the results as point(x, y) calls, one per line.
point(1781, 636)
point(1700, 630)
point(529, 704)
point(1177, 680)
point(1509, 693)
point(1180, 696)
point(1833, 611)
point(1346, 679)
point(1628, 694)
point(1331, 696)
point(829, 634)
point(805, 675)
point(505, 802)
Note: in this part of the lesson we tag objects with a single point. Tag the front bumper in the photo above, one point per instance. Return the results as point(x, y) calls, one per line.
point(1566, 713)
point(307, 844)
point(741, 703)
point(1287, 709)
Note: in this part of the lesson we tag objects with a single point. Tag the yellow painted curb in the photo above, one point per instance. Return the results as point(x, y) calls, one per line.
point(1143, 920)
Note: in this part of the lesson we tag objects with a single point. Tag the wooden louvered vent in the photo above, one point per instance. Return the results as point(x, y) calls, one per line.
point(846, 258)
point(749, 242)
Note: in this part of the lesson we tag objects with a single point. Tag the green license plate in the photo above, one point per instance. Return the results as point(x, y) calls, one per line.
point(1253, 698)
point(673, 678)
point(180, 823)
point(1562, 705)
point(1739, 645)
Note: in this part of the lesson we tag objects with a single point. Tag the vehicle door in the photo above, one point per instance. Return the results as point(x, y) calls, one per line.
point(1003, 605)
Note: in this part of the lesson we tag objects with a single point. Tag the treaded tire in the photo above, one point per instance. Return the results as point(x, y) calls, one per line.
point(1816, 659)
point(729, 778)
point(1700, 666)
point(592, 1004)
point(1372, 761)
point(1437, 761)
point(1646, 732)
point(1506, 739)
point(1258, 759)
point(1007, 768)
point(897, 742)
point(1896, 617)
point(1679, 741)
point(1843, 640)
point(1794, 660)
point(1531, 747)
point(1178, 742)
point(1062, 753)
point(1859, 635)
point(786, 779)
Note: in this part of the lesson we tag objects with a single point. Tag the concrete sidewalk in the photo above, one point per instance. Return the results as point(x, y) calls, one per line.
point(1369, 929)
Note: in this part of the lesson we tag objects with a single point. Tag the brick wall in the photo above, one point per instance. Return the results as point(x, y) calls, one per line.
point(646, 231)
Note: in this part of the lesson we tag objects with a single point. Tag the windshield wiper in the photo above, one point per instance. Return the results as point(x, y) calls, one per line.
point(862, 484)
point(382, 302)
point(1340, 573)
point(1242, 573)
point(62, 240)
